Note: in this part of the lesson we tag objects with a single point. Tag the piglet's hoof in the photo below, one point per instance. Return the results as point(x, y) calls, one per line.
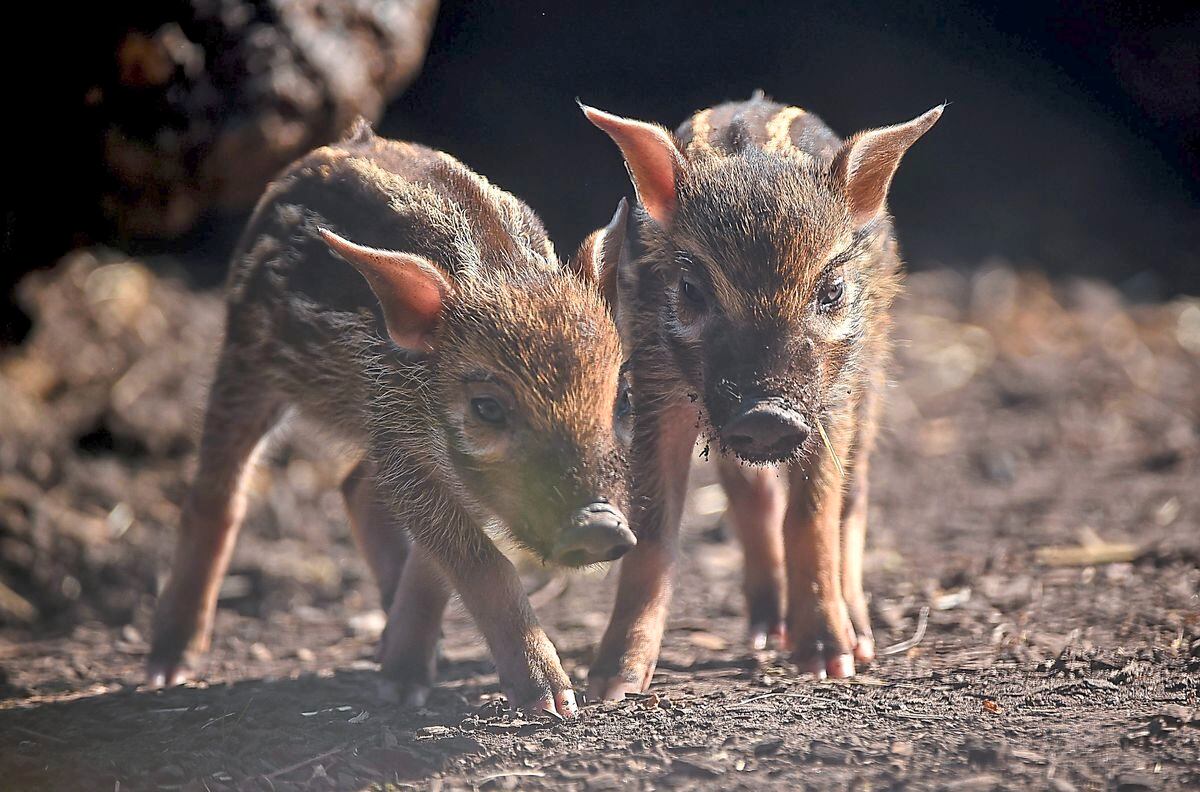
point(404, 693)
point(615, 687)
point(820, 666)
point(561, 704)
point(165, 674)
point(864, 650)
point(766, 634)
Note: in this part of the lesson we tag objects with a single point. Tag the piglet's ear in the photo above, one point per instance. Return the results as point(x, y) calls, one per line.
point(605, 253)
point(411, 289)
point(653, 158)
point(866, 163)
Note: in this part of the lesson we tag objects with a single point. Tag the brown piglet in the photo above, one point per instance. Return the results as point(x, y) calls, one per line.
point(755, 303)
point(419, 313)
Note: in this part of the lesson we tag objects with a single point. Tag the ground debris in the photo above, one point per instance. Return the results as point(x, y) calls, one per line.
point(1172, 718)
point(697, 767)
point(1021, 657)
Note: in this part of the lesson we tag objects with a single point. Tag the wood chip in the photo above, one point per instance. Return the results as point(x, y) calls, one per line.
point(707, 640)
point(17, 607)
point(1089, 554)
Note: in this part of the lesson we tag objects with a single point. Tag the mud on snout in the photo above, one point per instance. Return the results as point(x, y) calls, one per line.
point(757, 425)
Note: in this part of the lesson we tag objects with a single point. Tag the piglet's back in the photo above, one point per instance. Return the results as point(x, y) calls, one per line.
point(760, 123)
point(385, 194)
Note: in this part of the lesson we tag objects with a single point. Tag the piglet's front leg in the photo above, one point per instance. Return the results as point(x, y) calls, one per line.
point(531, 674)
point(818, 622)
point(628, 653)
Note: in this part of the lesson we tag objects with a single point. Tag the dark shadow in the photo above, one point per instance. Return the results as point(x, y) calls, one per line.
point(1069, 143)
point(254, 734)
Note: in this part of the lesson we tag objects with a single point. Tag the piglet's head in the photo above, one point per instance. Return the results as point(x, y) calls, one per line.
point(528, 393)
point(763, 271)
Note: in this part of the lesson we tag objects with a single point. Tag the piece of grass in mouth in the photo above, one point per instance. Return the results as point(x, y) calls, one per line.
point(829, 447)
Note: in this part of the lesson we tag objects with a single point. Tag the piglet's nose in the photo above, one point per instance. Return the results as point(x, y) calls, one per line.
point(765, 432)
point(598, 532)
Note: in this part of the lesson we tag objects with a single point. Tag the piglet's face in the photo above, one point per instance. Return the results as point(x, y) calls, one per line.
point(761, 269)
point(527, 390)
point(536, 412)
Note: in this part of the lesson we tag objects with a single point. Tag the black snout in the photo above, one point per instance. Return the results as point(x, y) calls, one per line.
point(765, 433)
point(598, 532)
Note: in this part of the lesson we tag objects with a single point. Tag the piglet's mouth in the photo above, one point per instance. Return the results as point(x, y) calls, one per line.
point(770, 458)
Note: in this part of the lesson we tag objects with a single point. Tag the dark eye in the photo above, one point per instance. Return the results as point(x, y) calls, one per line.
point(489, 410)
point(692, 294)
point(832, 293)
point(624, 406)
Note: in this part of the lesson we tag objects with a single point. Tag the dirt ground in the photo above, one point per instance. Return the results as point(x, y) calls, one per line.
point(1034, 558)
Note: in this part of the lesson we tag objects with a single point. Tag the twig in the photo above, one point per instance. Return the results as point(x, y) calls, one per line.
point(217, 719)
point(829, 447)
point(511, 774)
point(242, 714)
point(39, 735)
point(904, 646)
point(298, 765)
point(918, 716)
point(753, 699)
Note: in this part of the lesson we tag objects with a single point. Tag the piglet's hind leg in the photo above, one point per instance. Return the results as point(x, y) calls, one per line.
point(757, 499)
point(409, 653)
point(377, 533)
point(241, 411)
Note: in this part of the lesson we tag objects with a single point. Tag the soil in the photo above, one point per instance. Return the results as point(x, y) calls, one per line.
point(1034, 558)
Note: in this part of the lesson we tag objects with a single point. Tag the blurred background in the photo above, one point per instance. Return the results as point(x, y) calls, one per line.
point(1072, 142)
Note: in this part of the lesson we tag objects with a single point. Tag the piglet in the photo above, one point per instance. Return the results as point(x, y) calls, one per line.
point(757, 304)
point(421, 315)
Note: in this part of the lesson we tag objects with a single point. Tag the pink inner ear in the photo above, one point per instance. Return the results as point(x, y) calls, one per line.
point(653, 158)
point(412, 308)
point(868, 161)
point(869, 176)
point(410, 289)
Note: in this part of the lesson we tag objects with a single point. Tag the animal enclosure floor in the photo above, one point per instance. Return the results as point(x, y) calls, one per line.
point(1034, 542)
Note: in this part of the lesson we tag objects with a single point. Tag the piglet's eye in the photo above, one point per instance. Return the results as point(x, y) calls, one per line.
point(489, 410)
point(832, 293)
point(624, 406)
point(692, 294)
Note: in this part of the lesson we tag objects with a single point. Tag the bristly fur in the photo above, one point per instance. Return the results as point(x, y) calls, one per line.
point(318, 334)
point(760, 219)
point(460, 294)
point(759, 296)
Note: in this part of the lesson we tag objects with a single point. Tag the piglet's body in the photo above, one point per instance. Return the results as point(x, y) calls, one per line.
point(479, 378)
point(756, 305)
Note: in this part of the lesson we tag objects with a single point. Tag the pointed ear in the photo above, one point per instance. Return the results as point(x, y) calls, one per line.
point(411, 289)
point(604, 253)
point(866, 163)
point(652, 155)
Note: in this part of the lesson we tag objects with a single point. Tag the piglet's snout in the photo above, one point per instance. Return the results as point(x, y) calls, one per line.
point(765, 431)
point(598, 532)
